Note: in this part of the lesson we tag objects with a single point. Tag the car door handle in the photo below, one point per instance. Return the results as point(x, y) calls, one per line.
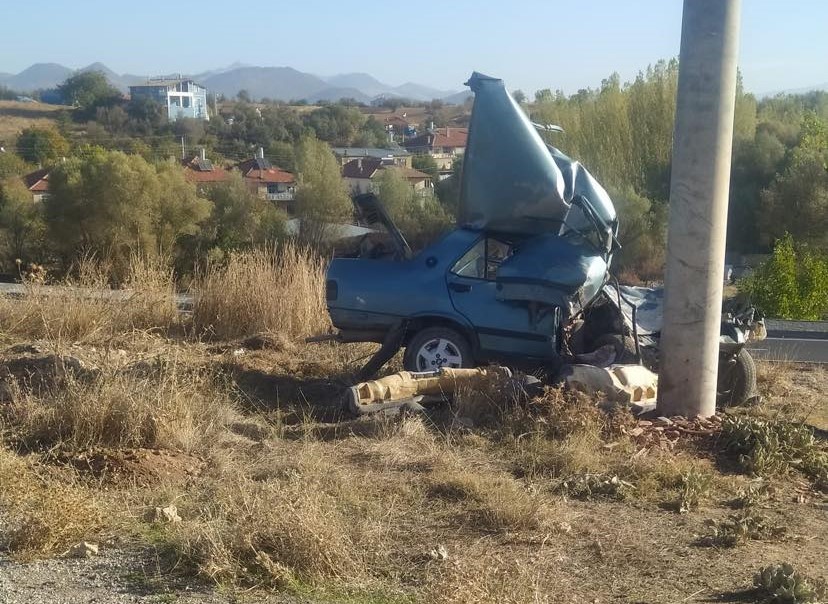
point(460, 287)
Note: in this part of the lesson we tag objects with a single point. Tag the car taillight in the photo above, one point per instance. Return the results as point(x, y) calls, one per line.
point(331, 290)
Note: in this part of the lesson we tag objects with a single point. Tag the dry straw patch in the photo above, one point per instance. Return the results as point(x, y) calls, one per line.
point(264, 290)
point(41, 516)
point(169, 408)
point(294, 516)
point(84, 308)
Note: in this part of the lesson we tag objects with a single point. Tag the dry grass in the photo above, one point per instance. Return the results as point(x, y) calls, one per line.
point(16, 116)
point(276, 290)
point(41, 515)
point(83, 307)
point(169, 408)
point(352, 506)
point(296, 515)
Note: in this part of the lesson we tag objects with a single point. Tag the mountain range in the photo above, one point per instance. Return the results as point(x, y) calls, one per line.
point(277, 83)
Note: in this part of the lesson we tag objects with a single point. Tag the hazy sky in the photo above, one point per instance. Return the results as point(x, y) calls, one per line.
point(530, 43)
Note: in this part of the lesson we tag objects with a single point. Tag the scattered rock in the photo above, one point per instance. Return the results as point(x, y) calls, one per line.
point(439, 553)
point(84, 549)
point(25, 349)
point(168, 514)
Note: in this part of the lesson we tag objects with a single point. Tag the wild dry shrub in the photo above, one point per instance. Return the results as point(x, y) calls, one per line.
point(487, 500)
point(263, 290)
point(41, 516)
point(283, 521)
point(151, 299)
point(84, 308)
point(477, 577)
point(169, 408)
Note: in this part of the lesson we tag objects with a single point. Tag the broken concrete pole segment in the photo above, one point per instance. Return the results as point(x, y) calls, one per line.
point(406, 387)
point(628, 384)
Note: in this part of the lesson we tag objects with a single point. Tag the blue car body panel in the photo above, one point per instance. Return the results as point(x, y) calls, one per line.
point(372, 294)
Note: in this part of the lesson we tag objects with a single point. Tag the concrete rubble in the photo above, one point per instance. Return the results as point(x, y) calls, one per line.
point(84, 549)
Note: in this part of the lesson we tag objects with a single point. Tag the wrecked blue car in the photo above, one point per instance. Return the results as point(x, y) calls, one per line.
point(527, 263)
point(524, 279)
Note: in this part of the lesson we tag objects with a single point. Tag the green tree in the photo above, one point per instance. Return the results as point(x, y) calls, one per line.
point(12, 165)
point(519, 96)
point(797, 201)
point(146, 115)
point(336, 124)
point(427, 164)
point(88, 90)
point(41, 145)
point(793, 284)
point(21, 222)
point(448, 190)
point(321, 196)
point(112, 204)
point(239, 218)
point(416, 213)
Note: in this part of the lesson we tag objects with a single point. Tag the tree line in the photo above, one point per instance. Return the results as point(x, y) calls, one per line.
point(621, 131)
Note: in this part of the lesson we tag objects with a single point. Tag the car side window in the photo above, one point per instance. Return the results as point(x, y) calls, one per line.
point(483, 259)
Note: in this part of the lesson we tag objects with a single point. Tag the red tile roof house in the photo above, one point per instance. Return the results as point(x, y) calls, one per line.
point(200, 171)
point(359, 175)
point(443, 144)
point(38, 183)
point(266, 180)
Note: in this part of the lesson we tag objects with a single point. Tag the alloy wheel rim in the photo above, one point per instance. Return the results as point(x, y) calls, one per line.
point(437, 353)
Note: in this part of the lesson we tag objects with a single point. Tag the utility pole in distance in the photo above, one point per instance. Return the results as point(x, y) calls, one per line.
point(699, 185)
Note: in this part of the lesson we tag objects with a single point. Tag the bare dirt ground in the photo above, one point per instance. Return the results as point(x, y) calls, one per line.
point(283, 498)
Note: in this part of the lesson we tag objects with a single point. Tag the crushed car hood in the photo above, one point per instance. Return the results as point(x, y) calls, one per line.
point(512, 181)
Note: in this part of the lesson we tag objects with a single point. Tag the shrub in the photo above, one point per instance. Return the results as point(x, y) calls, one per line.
point(770, 447)
point(793, 284)
point(276, 290)
point(781, 584)
point(148, 406)
point(41, 516)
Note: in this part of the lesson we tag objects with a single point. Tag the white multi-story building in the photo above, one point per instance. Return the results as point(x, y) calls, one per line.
point(181, 97)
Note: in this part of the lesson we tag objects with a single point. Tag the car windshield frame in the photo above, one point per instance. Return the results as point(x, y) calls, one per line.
point(488, 263)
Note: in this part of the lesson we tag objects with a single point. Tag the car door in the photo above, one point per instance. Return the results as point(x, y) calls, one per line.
point(503, 328)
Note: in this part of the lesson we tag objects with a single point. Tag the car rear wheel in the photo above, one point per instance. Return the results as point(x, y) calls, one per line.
point(737, 381)
point(436, 347)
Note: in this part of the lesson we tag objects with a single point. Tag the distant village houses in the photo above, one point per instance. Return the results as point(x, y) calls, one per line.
point(395, 156)
point(268, 181)
point(181, 97)
point(360, 175)
point(38, 184)
point(443, 144)
point(263, 179)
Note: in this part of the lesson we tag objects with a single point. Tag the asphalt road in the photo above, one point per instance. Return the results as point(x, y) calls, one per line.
point(802, 341)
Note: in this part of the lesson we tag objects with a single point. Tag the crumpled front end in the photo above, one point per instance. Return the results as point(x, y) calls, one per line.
point(512, 181)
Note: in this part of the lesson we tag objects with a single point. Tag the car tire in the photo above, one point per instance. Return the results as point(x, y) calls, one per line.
point(737, 385)
point(436, 347)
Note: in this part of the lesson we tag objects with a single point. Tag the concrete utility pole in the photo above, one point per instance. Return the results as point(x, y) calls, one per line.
point(698, 207)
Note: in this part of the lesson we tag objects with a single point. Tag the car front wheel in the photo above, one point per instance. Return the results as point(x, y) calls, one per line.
point(436, 347)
